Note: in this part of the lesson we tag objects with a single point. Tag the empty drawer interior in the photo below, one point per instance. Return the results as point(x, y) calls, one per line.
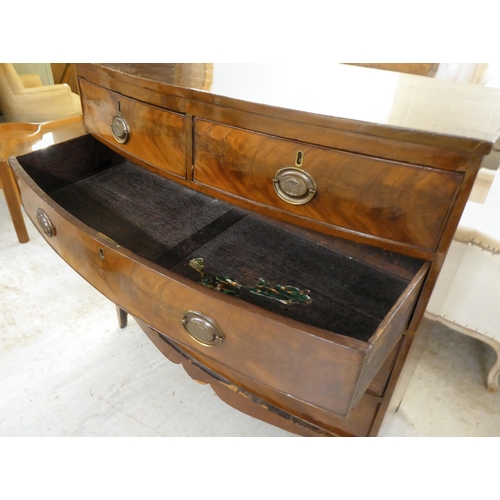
point(321, 281)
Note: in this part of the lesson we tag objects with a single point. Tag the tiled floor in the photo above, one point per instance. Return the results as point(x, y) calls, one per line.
point(66, 369)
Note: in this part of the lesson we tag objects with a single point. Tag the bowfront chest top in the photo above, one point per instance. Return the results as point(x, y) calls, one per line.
point(279, 234)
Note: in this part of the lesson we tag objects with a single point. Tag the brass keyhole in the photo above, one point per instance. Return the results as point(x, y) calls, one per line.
point(299, 159)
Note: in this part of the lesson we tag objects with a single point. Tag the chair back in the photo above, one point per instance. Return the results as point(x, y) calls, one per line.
point(10, 84)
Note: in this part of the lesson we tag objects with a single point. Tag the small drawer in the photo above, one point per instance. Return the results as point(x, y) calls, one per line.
point(291, 313)
point(388, 200)
point(146, 132)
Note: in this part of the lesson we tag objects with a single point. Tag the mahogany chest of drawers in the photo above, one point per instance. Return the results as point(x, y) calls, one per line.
point(278, 239)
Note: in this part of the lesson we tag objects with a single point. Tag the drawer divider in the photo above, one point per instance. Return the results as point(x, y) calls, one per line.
point(198, 239)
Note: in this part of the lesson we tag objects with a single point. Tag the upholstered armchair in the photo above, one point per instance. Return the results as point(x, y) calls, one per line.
point(466, 297)
point(23, 98)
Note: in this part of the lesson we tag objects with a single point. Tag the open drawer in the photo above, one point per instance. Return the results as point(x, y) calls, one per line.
point(308, 315)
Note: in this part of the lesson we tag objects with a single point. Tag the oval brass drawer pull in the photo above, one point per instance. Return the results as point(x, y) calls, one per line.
point(294, 185)
point(45, 223)
point(202, 329)
point(120, 129)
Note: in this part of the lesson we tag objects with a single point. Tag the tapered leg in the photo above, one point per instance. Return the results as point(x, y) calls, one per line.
point(122, 317)
point(13, 202)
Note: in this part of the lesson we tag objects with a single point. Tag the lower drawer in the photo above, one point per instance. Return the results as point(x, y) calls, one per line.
point(359, 422)
point(135, 236)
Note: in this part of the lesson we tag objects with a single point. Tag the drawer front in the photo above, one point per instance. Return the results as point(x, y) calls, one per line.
point(155, 136)
point(313, 369)
point(383, 199)
point(358, 423)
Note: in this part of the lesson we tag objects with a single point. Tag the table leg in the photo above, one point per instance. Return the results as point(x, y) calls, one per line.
point(122, 317)
point(13, 201)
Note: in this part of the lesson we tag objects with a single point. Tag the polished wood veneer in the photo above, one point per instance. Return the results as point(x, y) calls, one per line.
point(194, 183)
point(410, 204)
point(355, 306)
point(158, 135)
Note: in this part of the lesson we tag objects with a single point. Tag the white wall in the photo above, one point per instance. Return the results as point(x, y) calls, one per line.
point(43, 69)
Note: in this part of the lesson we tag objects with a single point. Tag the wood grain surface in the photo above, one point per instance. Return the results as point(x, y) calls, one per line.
point(265, 347)
point(394, 157)
point(365, 101)
point(157, 136)
point(402, 203)
point(269, 405)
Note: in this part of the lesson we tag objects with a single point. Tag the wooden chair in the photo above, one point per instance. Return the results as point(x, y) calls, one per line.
point(23, 98)
point(466, 297)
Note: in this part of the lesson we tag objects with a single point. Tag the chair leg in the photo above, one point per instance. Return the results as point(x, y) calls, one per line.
point(122, 317)
point(494, 373)
point(13, 202)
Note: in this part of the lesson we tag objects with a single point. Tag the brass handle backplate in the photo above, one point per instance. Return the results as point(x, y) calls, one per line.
point(202, 329)
point(120, 129)
point(45, 223)
point(295, 186)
